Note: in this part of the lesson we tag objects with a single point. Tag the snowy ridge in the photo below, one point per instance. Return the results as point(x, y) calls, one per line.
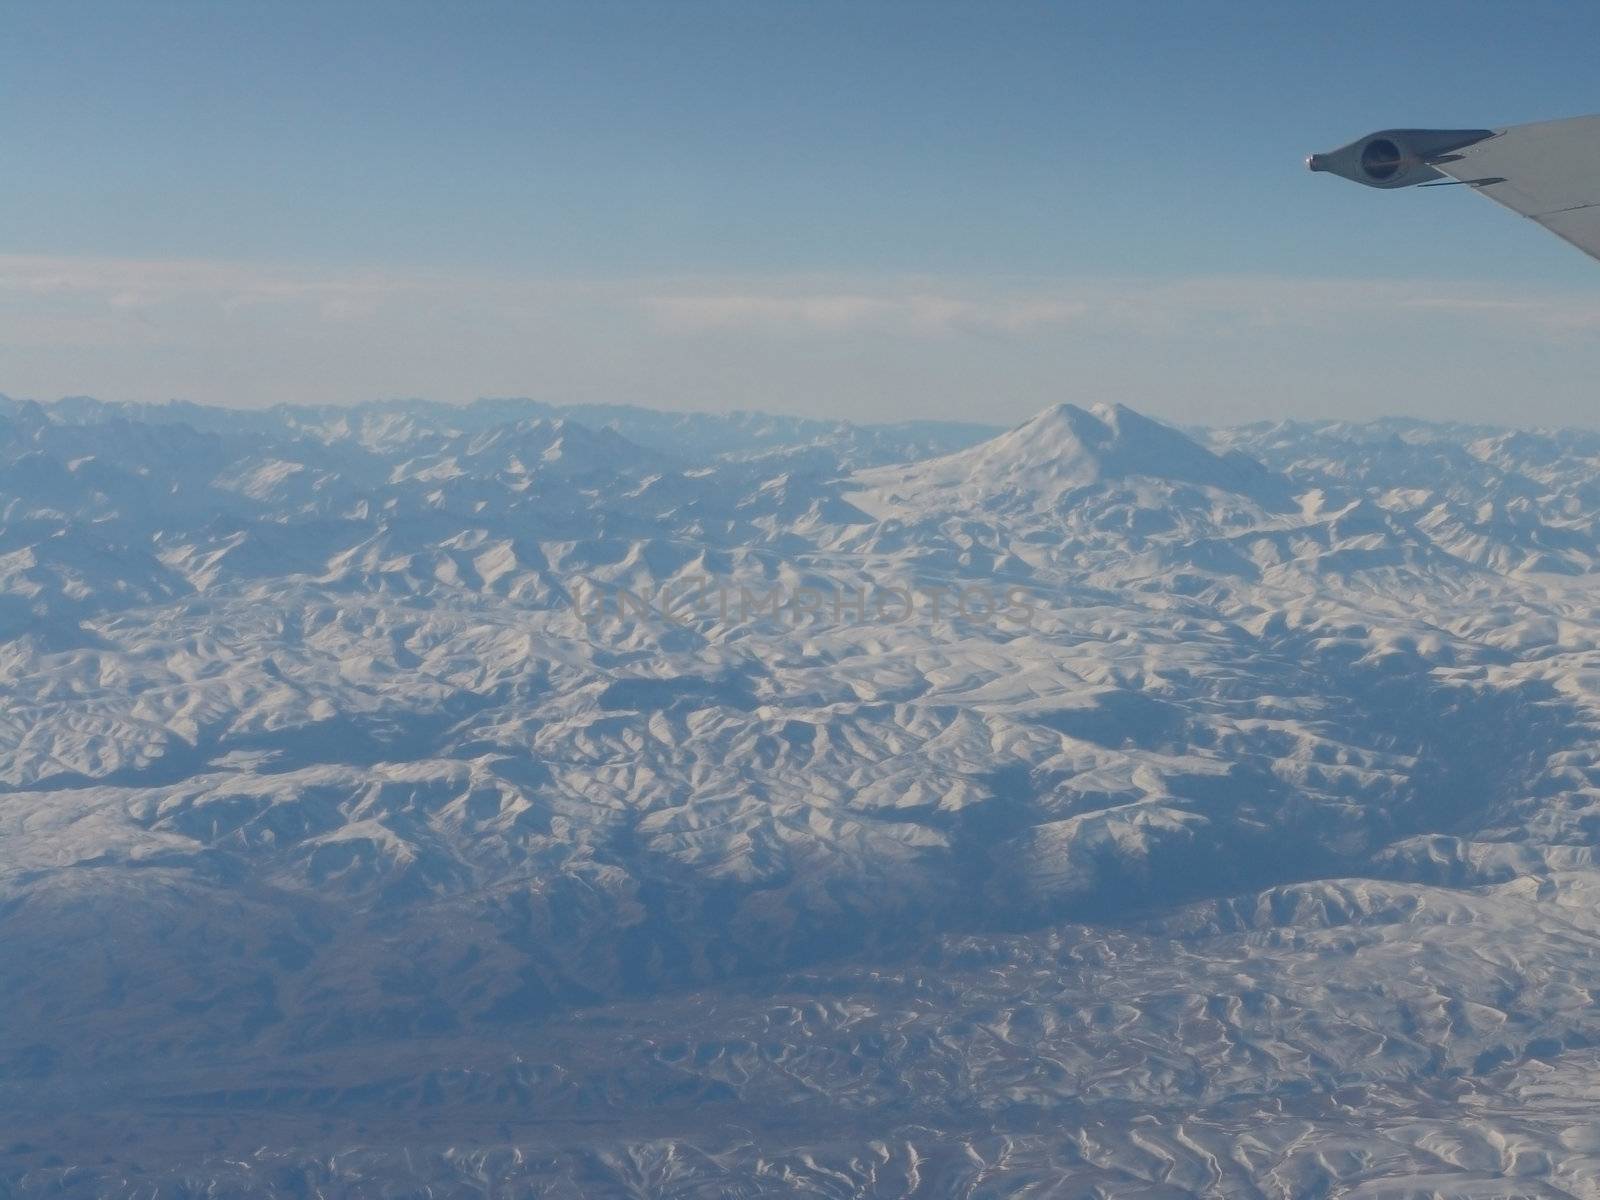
point(523, 797)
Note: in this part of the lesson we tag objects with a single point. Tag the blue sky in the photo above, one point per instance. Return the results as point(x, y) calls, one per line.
point(858, 209)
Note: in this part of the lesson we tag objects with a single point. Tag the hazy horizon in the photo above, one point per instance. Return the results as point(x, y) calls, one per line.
point(977, 421)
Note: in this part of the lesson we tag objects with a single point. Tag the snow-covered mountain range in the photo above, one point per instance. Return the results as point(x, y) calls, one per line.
point(613, 802)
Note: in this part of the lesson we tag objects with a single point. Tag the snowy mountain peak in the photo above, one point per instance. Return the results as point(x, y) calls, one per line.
point(1065, 440)
point(1065, 449)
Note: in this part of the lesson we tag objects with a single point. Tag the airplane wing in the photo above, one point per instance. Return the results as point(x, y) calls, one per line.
point(1548, 171)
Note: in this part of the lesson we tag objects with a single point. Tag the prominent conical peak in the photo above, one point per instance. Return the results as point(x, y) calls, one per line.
point(1065, 448)
point(1063, 440)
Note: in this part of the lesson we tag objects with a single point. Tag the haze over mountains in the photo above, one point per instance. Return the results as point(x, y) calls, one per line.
point(541, 796)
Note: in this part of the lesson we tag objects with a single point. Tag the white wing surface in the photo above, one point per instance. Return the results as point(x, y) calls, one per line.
point(1548, 171)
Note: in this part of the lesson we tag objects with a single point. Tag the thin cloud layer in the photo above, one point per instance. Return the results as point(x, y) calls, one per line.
point(1156, 305)
point(1244, 347)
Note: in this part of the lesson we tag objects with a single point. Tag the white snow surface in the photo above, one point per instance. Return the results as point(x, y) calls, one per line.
point(519, 799)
